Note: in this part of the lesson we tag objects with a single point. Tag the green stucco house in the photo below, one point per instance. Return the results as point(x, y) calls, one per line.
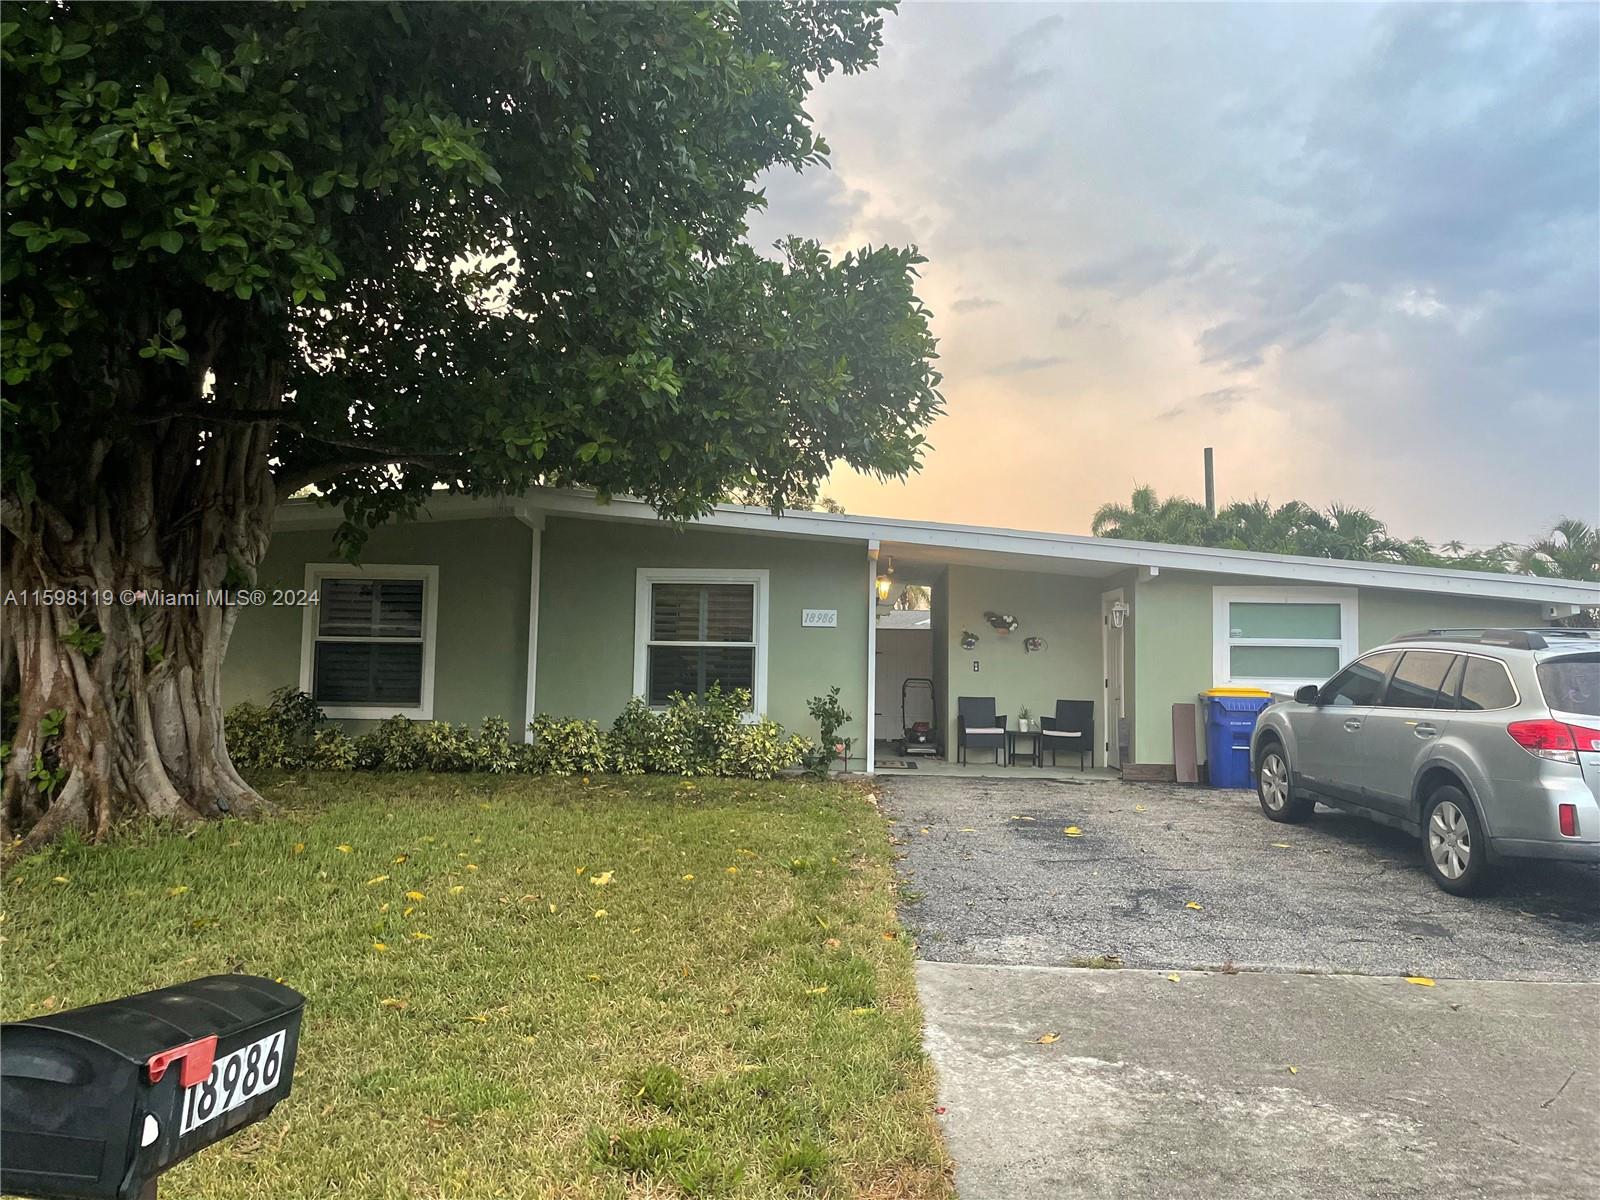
point(553, 603)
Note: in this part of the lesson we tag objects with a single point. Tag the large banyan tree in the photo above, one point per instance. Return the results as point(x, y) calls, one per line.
point(377, 250)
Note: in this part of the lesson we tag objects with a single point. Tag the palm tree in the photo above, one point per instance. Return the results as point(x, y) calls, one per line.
point(1291, 528)
point(1147, 518)
point(1571, 550)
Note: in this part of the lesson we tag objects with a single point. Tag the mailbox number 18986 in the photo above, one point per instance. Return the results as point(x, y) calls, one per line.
point(234, 1079)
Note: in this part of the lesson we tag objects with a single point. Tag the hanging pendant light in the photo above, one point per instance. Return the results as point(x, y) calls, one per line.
point(886, 583)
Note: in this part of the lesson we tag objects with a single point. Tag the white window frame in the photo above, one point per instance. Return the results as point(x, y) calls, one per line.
point(648, 576)
point(1222, 641)
point(315, 574)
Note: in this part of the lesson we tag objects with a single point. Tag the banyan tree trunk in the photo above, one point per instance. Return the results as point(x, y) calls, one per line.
point(115, 624)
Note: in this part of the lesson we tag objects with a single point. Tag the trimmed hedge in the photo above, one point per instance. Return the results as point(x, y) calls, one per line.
point(707, 735)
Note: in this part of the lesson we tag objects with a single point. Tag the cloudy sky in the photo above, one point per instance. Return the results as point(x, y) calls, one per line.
point(1356, 249)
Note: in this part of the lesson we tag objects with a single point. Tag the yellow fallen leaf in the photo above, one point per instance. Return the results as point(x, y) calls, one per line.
point(472, 866)
point(342, 849)
point(599, 914)
point(1072, 831)
point(415, 896)
point(856, 1012)
point(480, 1018)
point(969, 829)
point(1419, 980)
point(400, 858)
point(889, 935)
point(384, 907)
point(418, 936)
point(1294, 1071)
point(408, 910)
point(1046, 1038)
point(601, 879)
point(1280, 845)
point(817, 991)
point(552, 908)
point(1194, 906)
point(458, 889)
point(61, 879)
point(299, 847)
point(377, 879)
point(582, 871)
point(1138, 808)
point(1173, 977)
point(393, 1002)
point(732, 871)
point(179, 890)
point(380, 947)
point(688, 878)
point(924, 829)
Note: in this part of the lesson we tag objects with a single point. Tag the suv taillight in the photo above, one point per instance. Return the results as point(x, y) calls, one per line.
point(1555, 740)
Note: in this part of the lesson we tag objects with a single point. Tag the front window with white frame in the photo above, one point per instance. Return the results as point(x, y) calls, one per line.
point(367, 645)
point(1280, 638)
point(695, 628)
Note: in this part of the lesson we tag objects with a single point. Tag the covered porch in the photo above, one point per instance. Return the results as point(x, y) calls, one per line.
point(1022, 633)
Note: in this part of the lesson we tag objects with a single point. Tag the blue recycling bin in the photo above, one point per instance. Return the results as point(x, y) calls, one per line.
point(1230, 720)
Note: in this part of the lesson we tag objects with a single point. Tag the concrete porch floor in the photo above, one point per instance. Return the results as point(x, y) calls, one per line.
point(980, 767)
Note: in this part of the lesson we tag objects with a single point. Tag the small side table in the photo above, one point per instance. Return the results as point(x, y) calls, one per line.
point(1033, 739)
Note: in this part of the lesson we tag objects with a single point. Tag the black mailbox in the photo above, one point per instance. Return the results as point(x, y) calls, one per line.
point(99, 1101)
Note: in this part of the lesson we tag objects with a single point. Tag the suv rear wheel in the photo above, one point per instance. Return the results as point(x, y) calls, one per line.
point(1275, 789)
point(1453, 846)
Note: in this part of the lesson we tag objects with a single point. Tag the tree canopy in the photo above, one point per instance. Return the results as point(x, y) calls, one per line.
point(467, 245)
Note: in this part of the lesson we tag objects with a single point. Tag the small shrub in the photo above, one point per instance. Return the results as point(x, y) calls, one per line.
point(493, 751)
point(332, 749)
point(445, 747)
point(760, 750)
point(703, 735)
point(635, 733)
point(567, 746)
point(830, 717)
point(397, 744)
point(277, 736)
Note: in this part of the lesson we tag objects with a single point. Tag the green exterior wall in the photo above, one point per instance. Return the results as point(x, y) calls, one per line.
point(1063, 610)
point(481, 651)
point(587, 591)
point(1173, 663)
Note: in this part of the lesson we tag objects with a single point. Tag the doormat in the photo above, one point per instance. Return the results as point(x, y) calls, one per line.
point(895, 764)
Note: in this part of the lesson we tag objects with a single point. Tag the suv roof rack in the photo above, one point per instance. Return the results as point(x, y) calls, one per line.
point(1515, 639)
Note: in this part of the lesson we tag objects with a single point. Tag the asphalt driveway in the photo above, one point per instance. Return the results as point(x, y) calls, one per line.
point(993, 879)
point(1261, 1037)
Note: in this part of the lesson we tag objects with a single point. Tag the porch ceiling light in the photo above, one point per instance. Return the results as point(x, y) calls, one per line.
point(886, 582)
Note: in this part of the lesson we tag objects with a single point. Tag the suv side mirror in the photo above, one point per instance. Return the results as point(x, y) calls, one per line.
point(1307, 694)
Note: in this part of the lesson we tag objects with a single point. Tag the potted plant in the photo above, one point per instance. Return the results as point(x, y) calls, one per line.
point(1023, 717)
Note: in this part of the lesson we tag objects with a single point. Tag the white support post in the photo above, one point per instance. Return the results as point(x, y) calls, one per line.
point(535, 523)
point(872, 655)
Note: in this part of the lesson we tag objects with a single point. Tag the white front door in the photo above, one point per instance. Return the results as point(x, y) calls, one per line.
point(1113, 616)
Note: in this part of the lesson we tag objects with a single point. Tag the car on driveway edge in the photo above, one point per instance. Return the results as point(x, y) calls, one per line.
point(1484, 743)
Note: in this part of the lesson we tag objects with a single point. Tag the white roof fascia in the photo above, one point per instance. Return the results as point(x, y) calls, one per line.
point(1002, 542)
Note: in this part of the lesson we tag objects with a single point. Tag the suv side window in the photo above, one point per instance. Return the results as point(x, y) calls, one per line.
point(1486, 685)
point(1361, 683)
point(1417, 679)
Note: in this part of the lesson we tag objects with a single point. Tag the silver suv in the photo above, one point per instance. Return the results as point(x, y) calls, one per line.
point(1485, 743)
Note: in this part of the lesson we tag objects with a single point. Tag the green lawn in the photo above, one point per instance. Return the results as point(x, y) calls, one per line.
point(626, 987)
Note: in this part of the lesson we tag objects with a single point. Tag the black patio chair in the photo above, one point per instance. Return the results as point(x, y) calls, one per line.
point(1070, 731)
point(978, 728)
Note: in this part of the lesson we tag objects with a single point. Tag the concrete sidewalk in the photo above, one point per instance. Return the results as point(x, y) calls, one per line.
point(1183, 1089)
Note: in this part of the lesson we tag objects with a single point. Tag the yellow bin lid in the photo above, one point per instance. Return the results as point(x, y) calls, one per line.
point(1222, 691)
